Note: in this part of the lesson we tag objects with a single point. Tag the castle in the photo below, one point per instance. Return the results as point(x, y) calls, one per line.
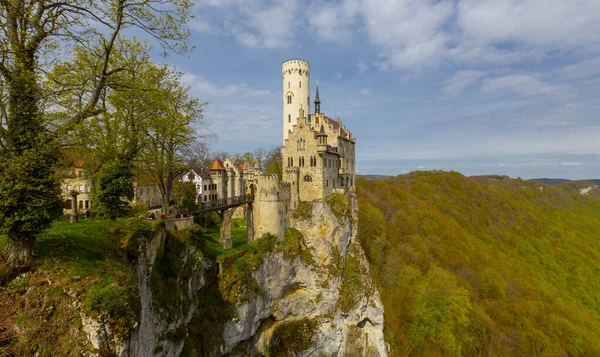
point(318, 156)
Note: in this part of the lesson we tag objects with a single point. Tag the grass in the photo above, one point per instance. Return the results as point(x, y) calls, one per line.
point(84, 261)
point(213, 248)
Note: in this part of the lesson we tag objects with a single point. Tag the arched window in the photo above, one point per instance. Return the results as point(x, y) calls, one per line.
point(347, 181)
point(307, 178)
point(289, 99)
point(291, 161)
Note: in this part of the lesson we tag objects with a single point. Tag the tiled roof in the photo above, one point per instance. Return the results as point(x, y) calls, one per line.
point(217, 166)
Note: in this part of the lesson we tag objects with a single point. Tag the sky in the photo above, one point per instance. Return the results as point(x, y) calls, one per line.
point(508, 87)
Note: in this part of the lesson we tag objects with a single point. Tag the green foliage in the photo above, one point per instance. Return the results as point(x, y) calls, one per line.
point(187, 202)
point(114, 190)
point(289, 338)
point(29, 193)
point(138, 209)
point(236, 283)
point(339, 204)
point(441, 317)
point(352, 288)
point(482, 265)
point(112, 301)
point(304, 210)
point(294, 245)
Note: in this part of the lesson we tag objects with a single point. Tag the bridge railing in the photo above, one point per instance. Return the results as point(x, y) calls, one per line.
point(225, 202)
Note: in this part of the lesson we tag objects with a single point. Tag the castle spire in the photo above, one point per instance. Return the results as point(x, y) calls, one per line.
point(317, 101)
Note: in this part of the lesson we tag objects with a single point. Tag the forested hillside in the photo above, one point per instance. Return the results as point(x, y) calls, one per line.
point(483, 266)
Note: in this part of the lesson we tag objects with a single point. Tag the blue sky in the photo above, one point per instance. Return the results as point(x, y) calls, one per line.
point(476, 86)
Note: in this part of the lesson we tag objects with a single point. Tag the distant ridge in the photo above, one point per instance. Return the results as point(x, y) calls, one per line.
point(557, 181)
point(375, 177)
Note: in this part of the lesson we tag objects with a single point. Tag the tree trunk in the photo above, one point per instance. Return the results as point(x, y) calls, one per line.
point(15, 258)
point(18, 253)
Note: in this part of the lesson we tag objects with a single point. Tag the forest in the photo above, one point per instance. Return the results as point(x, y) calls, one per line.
point(483, 266)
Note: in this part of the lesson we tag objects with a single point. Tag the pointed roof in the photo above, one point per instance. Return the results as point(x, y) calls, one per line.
point(217, 166)
point(317, 100)
point(322, 131)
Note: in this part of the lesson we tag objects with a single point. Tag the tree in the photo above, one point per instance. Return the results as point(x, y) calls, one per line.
point(115, 189)
point(170, 133)
point(31, 32)
point(274, 162)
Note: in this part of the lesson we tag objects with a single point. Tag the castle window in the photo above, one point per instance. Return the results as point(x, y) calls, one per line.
point(307, 178)
point(300, 84)
point(289, 118)
point(289, 85)
point(289, 99)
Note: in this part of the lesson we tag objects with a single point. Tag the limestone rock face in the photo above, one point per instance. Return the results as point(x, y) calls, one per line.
point(323, 293)
point(156, 332)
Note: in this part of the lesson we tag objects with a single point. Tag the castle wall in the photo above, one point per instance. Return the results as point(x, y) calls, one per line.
point(292, 176)
point(310, 178)
point(296, 86)
point(271, 206)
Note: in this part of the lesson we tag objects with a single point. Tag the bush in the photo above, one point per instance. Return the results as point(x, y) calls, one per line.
point(304, 210)
point(339, 204)
point(138, 209)
point(292, 337)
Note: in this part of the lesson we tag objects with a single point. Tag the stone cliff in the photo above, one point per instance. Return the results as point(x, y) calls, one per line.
point(313, 294)
point(304, 293)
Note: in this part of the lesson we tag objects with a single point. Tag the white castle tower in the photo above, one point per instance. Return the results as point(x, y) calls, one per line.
point(296, 92)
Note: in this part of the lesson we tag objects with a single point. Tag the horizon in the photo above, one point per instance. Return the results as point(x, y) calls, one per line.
point(463, 85)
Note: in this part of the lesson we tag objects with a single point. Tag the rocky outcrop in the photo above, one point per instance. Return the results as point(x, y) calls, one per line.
point(307, 293)
point(315, 283)
point(161, 327)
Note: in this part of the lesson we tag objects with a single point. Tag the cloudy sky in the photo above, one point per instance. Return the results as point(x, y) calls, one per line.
point(478, 86)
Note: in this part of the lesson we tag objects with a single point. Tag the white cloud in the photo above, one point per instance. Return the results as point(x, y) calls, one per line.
point(555, 24)
point(253, 23)
point(524, 84)
point(206, 90)
point(362, 68)
point(460, 82)
point(412, 34)
point(588, 68)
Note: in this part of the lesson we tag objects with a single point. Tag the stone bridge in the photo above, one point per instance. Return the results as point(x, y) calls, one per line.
point(225, 207)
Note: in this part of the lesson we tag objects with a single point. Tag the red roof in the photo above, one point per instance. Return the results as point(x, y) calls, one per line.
point(217, 166)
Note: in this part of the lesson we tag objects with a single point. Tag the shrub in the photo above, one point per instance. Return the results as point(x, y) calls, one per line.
point(138, 209)
point(304, 210)
point(292, 337)
point(339, 204)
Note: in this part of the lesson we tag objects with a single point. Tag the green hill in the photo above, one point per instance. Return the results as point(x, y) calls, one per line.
point(483, 266)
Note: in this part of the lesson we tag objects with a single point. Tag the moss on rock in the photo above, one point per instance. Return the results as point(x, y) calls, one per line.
point(292, 337)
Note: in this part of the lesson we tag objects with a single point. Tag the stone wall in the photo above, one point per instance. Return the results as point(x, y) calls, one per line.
point(271, 206)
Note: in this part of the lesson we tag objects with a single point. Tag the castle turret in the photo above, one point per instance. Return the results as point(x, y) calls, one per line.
point(321, 140)
point(296, 91)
